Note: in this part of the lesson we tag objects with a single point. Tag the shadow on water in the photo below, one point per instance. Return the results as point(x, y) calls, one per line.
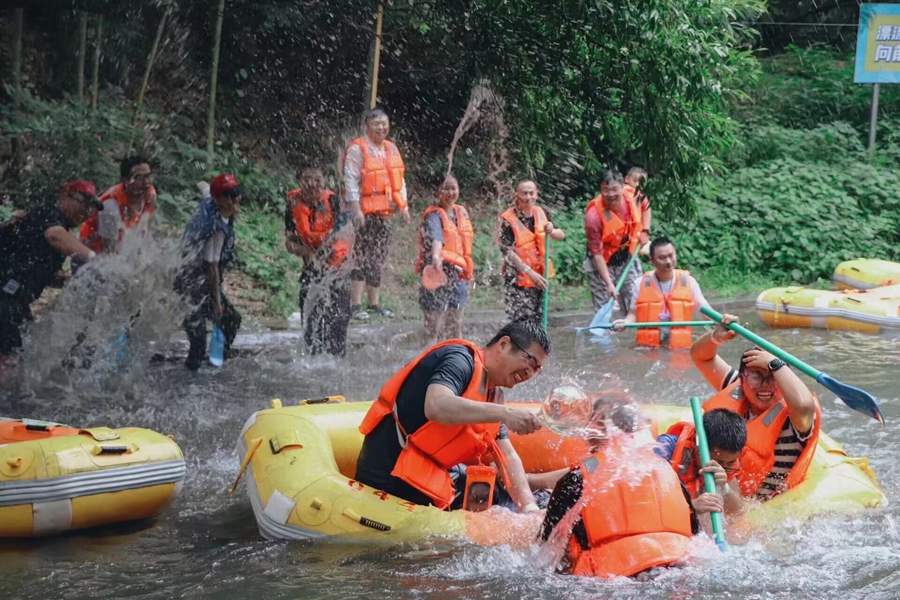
point(206, 544)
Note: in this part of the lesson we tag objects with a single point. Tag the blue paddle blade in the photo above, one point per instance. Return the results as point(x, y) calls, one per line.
point(857, 399)
point(120, 351)
point(603, 317)
point(217, 347)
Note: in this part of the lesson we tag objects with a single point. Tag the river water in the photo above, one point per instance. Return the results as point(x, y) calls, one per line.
point(206, 544)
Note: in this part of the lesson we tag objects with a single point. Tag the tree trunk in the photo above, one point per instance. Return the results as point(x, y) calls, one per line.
point(150, 59)
point(18, 152)
point(95, 92)
point(213, 82)
point(82, 48)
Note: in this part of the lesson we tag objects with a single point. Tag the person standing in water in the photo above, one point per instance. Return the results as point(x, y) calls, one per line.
point(376, 189)
point(33, 248)
point(523, 231)
point(445, 243)
point(207, 247)
point(318, 231)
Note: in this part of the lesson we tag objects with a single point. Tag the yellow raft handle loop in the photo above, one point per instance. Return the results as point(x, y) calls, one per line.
point(251, 450)
point(123, 449)
point(325, 400)
point(15, 463)
point(351, 514)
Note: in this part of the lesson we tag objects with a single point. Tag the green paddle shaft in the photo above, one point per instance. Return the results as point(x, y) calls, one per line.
point(624, 274)
point(546, 308)
point(708, 480)
point(765, 345)
point(658, 324)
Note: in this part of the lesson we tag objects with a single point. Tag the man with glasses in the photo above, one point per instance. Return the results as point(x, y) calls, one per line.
point(726, 434)
point(782, 415)
point(444, 408)
point(207, 248)
point(33, 248)
point(128, 205)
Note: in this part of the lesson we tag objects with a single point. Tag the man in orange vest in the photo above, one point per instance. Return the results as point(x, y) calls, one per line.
point(318, 231)
point(445, 241)
point(444, 408)
point(622, 510)
point(128, 205)
point(523, 232)
point(635, 178)
point(783, 417)
point(612, 226)
point(726, 434)
point(376, 188)
point(664, 294)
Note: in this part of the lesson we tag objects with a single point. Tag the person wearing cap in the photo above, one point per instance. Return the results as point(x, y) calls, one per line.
point(128, 205)
point(207, 247)
point(33, 248)
point(376, 189)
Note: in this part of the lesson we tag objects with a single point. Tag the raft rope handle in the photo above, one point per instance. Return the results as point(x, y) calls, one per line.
point(351, 514)
point(325, 400)
point(255, 443)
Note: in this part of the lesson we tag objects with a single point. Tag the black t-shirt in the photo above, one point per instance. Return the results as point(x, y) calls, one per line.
point(567, 492)
point(508, 241)
point(28, 263)
point(452, 366)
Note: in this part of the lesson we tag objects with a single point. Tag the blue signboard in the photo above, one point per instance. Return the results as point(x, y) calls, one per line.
point(878, 44)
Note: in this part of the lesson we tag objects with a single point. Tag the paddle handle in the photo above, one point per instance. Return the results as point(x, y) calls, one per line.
point(709, 481)
point(546, 304)
point(670, 324)
point(765, 345)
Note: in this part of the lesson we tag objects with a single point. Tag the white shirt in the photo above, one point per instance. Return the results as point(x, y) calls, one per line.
point(212, 250)
point(665, 289)
point(353, 165)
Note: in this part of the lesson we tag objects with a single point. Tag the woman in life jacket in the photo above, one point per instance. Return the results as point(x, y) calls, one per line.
point(782, 415)
point(445, 249)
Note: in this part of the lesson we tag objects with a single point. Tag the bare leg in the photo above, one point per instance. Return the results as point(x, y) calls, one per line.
point(434, 319)
point(453, 324)
point(371, 294)
point(356, 292)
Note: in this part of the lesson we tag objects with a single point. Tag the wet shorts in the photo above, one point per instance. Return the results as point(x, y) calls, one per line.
point(453, 296)
point(370, 249)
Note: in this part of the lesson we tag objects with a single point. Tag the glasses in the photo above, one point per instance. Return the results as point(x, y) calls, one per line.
point(732, 467)
point(532, 360)
point(141, 177)
point(756, 380)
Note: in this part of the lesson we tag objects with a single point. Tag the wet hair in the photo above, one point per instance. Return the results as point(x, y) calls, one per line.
point(617, 407)
point(376, 113)
point(725, 430)
point(638, 172)
point(522, 334)
point(611, 176)
point(131, 162)
point(659, 243)
point(743, 366)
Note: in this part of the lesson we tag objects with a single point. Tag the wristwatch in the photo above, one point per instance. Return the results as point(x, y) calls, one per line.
point(775, 364)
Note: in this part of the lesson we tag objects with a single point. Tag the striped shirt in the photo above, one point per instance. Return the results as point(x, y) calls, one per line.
point(788, 448)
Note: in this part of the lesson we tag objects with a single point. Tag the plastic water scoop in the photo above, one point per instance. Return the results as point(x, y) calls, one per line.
point(567, 411)
point(217, 346)
point(855, 398)
point(709, 481)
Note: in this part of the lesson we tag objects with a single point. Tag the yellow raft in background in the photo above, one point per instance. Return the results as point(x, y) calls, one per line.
point(866, 311)
point(63, 479)
point(866, 273)
point(299, 462)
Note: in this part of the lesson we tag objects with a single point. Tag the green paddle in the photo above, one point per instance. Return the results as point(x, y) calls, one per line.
point(658, 324)
point(709, 481)
point(855, 398)
point(604, 315)
point(546, 309)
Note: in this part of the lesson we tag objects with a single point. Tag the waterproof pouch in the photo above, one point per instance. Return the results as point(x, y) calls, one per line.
point(480, 482)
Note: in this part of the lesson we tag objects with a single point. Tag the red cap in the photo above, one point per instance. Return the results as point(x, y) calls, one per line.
point(222, 184)
point(84, 187)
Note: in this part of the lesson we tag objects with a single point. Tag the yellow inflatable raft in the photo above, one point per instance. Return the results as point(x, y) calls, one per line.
point(299, 463)
point(866, 273)
point(55, 478)
point(867, 311)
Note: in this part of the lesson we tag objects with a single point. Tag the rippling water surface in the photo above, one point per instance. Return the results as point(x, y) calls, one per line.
point(206, 544)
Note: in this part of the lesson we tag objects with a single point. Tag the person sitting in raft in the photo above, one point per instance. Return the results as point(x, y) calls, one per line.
point(636, 513)
point(726, 434)
point(783, 417)
point(317, 230)
point(445, 408)
point(664, 294)
point(445, 242)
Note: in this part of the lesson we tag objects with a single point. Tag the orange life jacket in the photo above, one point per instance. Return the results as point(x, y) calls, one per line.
point(314, 229)
point(649, 306)
point(382, 178)
point(763, 432)
point(685, 458)
point(615, 230)
point(530, 245)
point(631, 526)
point(458, 238)
point(435, 447)
point(90, 230)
